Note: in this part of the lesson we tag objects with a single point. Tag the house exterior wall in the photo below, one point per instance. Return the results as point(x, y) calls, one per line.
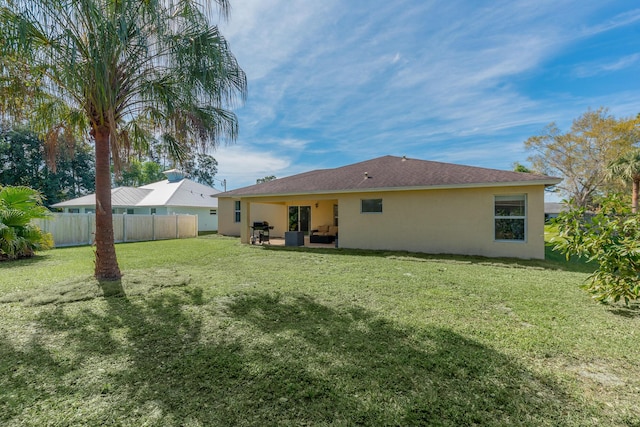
point(206, 221)
point(274, 213)
point(80, 209)
point(455, 221)
point(226, 217)
point(322, 214)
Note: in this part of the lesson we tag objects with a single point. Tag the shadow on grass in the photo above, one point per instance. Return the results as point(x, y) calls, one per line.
point(258, 359)
point(20, 262)
point(553, 260)
point(112, 288)
point(574, 264)
point(631, 311)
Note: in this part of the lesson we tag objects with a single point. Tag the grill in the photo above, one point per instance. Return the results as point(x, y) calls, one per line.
point(260, 232)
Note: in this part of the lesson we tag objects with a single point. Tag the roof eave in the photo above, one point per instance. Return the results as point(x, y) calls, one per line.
point(545, 182)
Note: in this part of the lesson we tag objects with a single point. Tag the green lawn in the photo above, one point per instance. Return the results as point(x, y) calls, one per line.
point(211, 332)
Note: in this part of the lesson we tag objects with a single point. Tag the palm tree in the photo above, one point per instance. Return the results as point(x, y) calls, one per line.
point(18, 238)
point(126, 71)
point(627, 168)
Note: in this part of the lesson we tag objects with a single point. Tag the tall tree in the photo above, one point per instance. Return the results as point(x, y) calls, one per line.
point(202, 168)
point(122, 70)
point(23, 163)
point(136, 173)
point(627, 168)
point(517, 167)
point(265, 179)
point(152, 172)
point(581, 155)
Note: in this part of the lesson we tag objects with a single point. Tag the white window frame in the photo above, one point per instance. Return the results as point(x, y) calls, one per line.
point(237, 206)
point(511, 197)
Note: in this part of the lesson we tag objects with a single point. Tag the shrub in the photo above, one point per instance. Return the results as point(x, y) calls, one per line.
point(18, 237)
point(609, 236)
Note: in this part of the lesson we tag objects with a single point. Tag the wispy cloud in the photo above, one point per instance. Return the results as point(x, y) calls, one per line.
point(620, 20)
point(598, 68)
point(266, 34)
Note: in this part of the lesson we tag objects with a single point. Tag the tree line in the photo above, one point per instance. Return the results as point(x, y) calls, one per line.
point(24, 161)
point(585, 156)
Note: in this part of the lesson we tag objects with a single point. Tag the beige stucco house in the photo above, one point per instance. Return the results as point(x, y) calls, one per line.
point(398, 203)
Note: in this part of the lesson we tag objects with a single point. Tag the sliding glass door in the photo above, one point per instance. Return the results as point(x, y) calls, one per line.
point(300, 218)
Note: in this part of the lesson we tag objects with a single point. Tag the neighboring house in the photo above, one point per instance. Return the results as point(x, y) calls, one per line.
point(552, 210)
point(397, 203)
point(175, 195)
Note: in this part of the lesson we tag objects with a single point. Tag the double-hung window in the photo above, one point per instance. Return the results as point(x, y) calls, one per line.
point(510, 218)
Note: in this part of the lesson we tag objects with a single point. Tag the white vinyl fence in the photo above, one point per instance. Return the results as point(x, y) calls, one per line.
point(79, 229)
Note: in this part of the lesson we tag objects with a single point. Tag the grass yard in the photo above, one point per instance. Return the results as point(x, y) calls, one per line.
point(210, 332)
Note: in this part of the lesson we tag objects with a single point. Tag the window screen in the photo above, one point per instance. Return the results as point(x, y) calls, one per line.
point(510, 217)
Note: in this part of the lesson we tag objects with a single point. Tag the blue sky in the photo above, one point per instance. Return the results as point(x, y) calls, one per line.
point(337, 82)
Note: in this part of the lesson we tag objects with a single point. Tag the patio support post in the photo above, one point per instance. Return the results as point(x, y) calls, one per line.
point(245, 216)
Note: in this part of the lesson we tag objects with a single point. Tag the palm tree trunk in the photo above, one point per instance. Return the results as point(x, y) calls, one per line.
point(634, 195)
point(106, 261)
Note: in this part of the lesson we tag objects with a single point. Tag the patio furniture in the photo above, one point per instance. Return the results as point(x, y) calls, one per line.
point(324, 234)
point(294, 238)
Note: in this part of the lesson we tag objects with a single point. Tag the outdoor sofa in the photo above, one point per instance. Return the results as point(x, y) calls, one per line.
point(324, 234)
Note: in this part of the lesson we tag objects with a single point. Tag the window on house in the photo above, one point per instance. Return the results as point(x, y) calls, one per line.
point(371, 206)
point(510, 217)
point(213, 212)
point(129, 211)
point(74, 210)
point(237, 210)
point(153, 211)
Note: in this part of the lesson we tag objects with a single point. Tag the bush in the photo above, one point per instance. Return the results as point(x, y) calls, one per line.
point(18, 237)
point(609, 236)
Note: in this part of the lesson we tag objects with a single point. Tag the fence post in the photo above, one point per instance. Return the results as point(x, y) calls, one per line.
point(90, 240)
point(124, 228)
point(153, 226)
point(177, 226)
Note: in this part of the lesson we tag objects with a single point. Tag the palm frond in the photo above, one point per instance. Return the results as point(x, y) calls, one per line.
point(22, 199)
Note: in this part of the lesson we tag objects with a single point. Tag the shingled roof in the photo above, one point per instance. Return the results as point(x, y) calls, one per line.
point(389, 173)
